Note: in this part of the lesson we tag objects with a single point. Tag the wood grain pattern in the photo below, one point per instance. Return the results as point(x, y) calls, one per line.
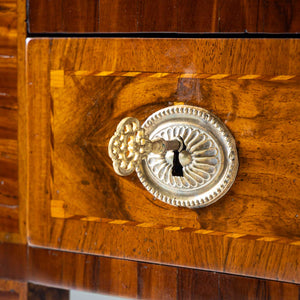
point(70, 126)
point(277, 16)
point(117, 13)
point(20, 290)
point(69, 165)
point(205, 56)
point(280, 16)
point(66, 16)
point(162, 278)
point(236, 16)
point(241, 288)
point(37, 292)
point(13, 261)
point(126, 278)
point(22, 122)
point(194, 16)
point(221, 16)
point(8, 87)
point(94, 273)
point(157, 15)
point(9, 203)
point(13, 290)
point(8, 26)
point(147, 281)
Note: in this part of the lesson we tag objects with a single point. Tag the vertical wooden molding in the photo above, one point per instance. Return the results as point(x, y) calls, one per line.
point(38, 99)
point(22, 121)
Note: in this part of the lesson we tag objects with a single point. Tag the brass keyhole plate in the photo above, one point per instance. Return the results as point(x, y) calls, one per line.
point(210, 160)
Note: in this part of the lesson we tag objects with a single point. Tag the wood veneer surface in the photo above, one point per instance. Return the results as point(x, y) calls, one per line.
point(79, 91)
point(66, 270)
point(9, 200)
point(22, 290)
point(13, 290)
point(276, 16)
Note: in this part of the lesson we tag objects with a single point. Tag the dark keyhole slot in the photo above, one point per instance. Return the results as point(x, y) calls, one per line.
point(177, 169)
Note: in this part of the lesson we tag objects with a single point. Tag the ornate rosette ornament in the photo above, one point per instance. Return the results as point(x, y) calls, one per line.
point(209, 160)
point(183, 155)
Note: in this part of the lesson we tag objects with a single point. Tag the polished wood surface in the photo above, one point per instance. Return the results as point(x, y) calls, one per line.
point(38, 292)
point(219, 57)
point(21, 290)
point(9, 200)
point(13, 261)
point(276, 16)
point(96, 274)
point(78, 203)
point(13, 290)
point(22, 123)
point(114, 13)
point(83, 173)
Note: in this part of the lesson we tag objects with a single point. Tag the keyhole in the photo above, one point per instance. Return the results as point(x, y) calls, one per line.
point(177, 169)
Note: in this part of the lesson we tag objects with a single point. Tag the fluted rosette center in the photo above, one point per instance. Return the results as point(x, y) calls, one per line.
point(200, 160)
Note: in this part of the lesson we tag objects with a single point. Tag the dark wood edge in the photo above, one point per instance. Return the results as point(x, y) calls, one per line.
point(163, 16)
point(67, 270)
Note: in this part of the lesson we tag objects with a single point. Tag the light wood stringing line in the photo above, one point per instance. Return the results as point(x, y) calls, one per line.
point(58, 211)
point(57, 76)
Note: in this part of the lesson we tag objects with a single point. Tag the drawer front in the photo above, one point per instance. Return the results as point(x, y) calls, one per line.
point(181, 16)
point(78, 91)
